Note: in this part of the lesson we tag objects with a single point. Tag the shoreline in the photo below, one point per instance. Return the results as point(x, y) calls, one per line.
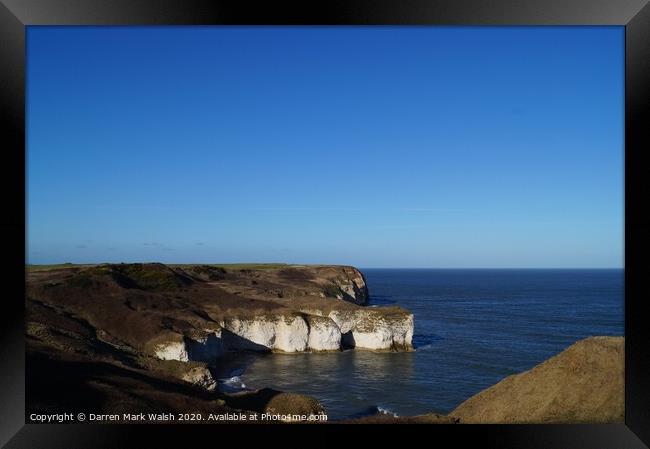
point(154, 323)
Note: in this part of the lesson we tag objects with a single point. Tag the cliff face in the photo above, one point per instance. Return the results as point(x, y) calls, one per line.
point(162, 330)
point(583, 384)
point(266, 281)
point(292, 333)
point(198, 313)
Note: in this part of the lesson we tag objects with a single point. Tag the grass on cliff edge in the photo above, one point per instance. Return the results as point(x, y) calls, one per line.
point(58, 266)
point(237, 266)
point(227, 266)
point(231, 266)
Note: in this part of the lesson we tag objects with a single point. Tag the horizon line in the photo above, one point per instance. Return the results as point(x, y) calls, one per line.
point(340, 264)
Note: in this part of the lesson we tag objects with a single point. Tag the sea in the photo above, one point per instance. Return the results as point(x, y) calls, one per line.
point(473, 327)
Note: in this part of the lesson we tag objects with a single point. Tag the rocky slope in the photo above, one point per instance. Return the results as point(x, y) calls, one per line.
point(130, 322)
point(583, 384)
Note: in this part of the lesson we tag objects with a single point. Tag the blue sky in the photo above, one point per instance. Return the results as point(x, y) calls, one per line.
point(377, 147)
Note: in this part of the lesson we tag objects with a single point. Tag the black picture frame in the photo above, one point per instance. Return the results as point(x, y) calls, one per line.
point(634, 15)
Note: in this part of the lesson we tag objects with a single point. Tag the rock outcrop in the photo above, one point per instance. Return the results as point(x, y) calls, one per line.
point(288, 282)
point(201, 377)
point(174, 346)
point(324, 334)
point(352, 285)
point(283, 406)
point(201, 312)
point(361, 329)
point(372, 329)
point(583, 384)
point(283, 333)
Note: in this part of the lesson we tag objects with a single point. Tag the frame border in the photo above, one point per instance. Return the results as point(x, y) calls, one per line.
point(634, 15)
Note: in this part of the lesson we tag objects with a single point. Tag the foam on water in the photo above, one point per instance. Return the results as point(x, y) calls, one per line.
point(231, 384)
point(425, 347)
point(385, 411)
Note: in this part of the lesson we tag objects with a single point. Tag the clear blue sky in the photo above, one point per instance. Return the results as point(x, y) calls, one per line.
point(377, 147)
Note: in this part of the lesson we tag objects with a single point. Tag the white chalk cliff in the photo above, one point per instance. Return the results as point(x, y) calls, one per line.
point(280, 333)
point(362, 329)
point(373, 329)
point(324, 334)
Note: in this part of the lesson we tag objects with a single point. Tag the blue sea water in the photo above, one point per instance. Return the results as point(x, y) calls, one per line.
point(473, 327)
